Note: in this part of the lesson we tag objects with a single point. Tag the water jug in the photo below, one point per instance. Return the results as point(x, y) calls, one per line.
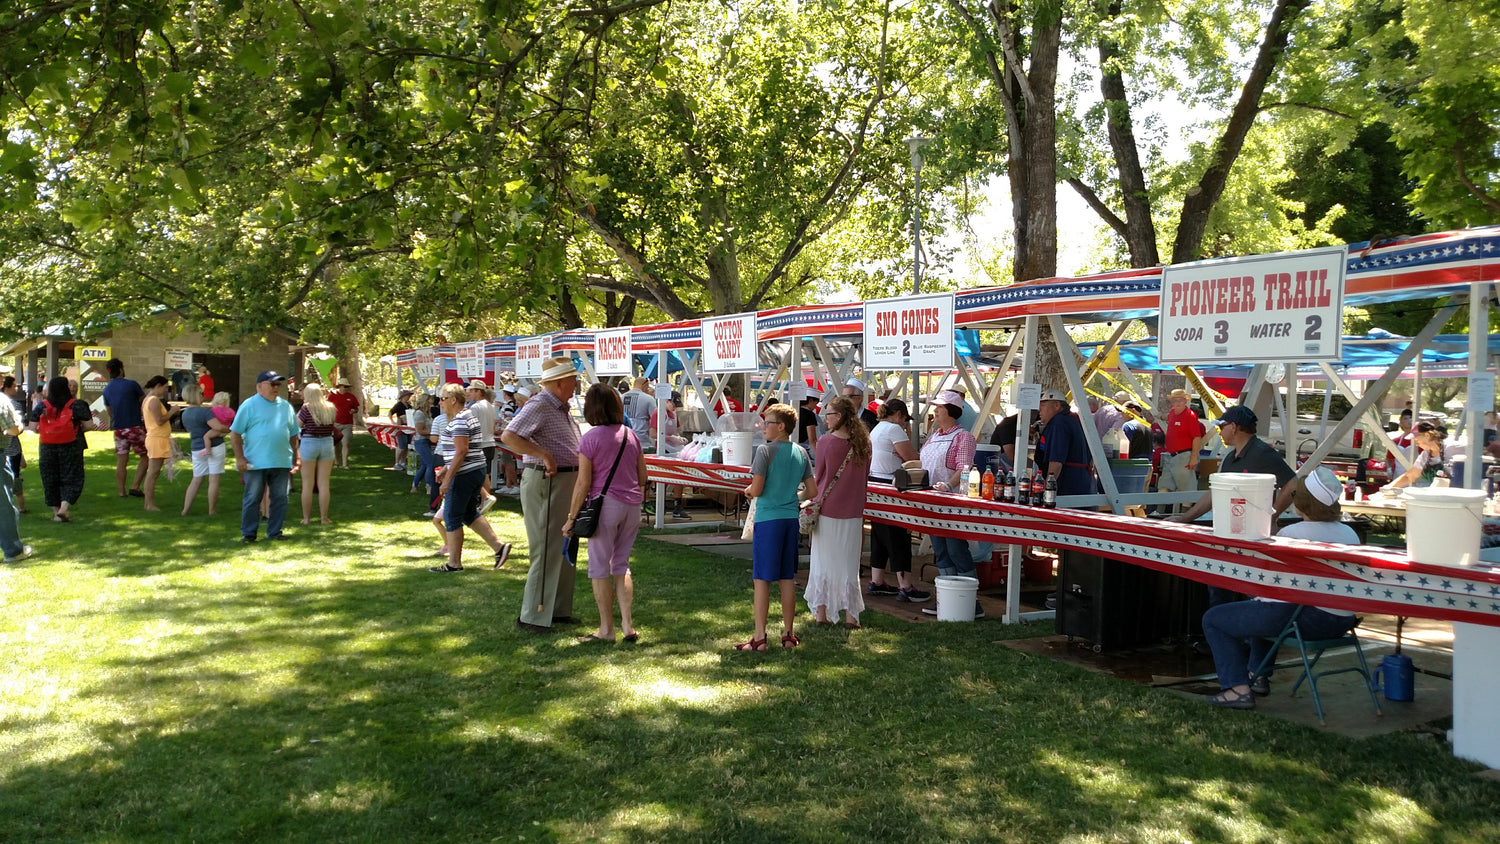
point(1396, 678)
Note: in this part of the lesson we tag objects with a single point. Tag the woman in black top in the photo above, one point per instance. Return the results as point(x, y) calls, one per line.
point(60, 460)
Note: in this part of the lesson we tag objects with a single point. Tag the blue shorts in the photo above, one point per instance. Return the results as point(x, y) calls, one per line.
point(316, 448)
point(774, 550)
point(462, 505)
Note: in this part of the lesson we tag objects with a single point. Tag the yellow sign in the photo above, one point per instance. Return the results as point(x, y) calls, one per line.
point(88, 353)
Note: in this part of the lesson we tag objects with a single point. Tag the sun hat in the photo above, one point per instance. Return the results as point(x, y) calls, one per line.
point(949, 397)
point(1178, 393)
point(556, 369)
point(1054, 395)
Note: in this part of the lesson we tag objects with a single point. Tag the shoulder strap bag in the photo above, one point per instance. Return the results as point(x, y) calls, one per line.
point(807, 517)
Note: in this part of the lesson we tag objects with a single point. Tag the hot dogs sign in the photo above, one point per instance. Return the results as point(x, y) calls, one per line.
point(909, 332)
point(1287, 308)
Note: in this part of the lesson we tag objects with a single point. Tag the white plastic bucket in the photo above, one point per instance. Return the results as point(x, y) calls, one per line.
point(1443, 525)
point(956, 597)
point(1242, 504)
point(738, 447)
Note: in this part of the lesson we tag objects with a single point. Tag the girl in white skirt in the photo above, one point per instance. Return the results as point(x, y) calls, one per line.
point(840, 470)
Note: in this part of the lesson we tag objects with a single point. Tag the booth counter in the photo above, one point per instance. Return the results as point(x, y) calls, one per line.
point(1358, 578)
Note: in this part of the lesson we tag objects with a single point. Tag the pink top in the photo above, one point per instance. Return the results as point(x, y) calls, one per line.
point(847, 498)
point(600, 445)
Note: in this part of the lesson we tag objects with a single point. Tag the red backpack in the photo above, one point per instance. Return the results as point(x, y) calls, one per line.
point(56, 426)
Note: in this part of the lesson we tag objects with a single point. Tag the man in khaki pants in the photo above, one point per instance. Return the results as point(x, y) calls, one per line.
point(544, 434)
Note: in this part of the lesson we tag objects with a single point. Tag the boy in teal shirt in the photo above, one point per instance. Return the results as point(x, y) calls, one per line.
point(781, 478)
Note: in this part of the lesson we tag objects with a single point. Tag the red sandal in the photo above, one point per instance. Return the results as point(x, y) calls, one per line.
point(752, 645)
point(790, 640)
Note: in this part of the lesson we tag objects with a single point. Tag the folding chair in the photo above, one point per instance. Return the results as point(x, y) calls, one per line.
point(1315, 648)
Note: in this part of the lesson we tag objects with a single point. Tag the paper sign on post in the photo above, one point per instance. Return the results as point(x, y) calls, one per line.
point(729, 344)
point(1028, 396)
point(612, 352)
point(1287, 307)
point(469, 359)
point(909, 333)
point(179, 359)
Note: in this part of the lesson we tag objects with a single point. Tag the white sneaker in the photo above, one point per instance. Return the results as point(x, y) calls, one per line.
point(26, 552)
point(485, 504)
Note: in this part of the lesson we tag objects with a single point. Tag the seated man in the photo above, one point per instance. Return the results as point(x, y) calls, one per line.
point(1240, 633)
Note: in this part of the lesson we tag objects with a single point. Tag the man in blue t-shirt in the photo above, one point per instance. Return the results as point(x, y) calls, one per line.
point(1063, 450)
point(123, 397)
point(265, 438)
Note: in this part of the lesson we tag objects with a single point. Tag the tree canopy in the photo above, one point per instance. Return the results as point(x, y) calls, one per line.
point(385, 171)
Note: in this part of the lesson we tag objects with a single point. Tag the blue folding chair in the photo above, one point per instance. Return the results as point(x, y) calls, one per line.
point(1311, 650)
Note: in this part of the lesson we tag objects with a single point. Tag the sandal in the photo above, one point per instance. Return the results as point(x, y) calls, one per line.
point(752, 645)
point(852, 625)
point(632, 637)
point(61, 517)
point(502, 554)
point(1231, 699)
point(594, 638)
point(790, 640)
point(445, 567)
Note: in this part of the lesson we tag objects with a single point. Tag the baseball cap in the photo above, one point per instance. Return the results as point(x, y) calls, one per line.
point(857, 384)
point(949, 397)
point(269, 375)
point(1239, 415)
point(523, 392)
point(508, 388)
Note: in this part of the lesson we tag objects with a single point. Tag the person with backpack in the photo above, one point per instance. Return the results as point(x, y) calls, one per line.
point(58, 420)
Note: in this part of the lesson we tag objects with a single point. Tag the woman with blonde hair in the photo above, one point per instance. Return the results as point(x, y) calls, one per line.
point(840, 472)
point(316, 418)
point(208, 457)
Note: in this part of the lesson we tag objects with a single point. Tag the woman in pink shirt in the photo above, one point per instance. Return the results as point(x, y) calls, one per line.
point(840, 471)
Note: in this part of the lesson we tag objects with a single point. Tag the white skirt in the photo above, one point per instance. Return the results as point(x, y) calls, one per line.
point(833, 576)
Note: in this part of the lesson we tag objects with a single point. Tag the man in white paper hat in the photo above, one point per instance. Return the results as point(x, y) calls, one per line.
point(858, 392)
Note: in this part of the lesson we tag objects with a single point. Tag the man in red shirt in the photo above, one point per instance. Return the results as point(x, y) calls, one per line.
point(345, 404)
point(1179, 465)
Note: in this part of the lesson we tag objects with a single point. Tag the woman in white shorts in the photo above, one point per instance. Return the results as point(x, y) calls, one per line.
point(206, 441)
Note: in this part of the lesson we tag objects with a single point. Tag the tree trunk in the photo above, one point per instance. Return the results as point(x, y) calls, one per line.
point(1201, 197)
point(1139, 231)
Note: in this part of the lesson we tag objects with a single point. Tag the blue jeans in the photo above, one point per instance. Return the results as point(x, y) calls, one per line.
point(10, 529)
point(257, 481)
point(1240, 634)
point(426, 461)
point(952, 556)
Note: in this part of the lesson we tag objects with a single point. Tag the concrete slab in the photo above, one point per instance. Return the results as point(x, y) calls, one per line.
point(1345, 702)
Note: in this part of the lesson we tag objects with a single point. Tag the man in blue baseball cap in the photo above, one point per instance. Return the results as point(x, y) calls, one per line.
point(1247, 453)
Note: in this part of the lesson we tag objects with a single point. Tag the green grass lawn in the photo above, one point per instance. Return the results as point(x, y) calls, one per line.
point(162, 681)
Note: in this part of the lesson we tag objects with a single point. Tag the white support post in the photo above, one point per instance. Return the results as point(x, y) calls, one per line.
point(661, 437)
point(1067, 352)
point(1013, 556)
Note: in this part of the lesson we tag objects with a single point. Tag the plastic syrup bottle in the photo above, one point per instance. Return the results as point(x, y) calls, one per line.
point(987, 485)
point(971, 482)
point(1049, 495)
point(1023, 489)
point(1038, 490)
point(1008, 487)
